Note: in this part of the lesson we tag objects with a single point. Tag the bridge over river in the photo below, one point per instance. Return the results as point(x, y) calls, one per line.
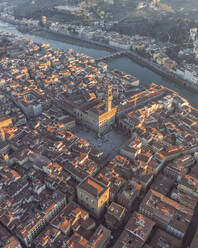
point(112, 56)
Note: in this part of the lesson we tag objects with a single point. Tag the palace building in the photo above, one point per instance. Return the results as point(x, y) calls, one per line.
point(98, 115)
point(93, 195)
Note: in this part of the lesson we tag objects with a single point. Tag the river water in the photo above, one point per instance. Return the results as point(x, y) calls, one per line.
point(124, 64)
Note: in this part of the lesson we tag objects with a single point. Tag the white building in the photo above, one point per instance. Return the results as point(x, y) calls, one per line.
point(120, 44)
point(189, 75)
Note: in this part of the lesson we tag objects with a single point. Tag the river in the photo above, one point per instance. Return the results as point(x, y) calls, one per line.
point(124, 64)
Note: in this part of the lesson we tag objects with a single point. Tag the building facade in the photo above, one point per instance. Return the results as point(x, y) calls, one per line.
point(98, 115)
point(93, 195)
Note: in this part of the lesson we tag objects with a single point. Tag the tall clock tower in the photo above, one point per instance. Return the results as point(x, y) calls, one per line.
point(109, 98)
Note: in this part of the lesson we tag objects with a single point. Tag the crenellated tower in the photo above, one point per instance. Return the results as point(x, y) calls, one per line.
point(109, 99)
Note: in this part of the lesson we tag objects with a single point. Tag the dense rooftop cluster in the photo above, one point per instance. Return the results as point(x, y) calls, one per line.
point(58, 189)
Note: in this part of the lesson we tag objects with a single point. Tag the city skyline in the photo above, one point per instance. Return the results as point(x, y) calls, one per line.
point(98, 125)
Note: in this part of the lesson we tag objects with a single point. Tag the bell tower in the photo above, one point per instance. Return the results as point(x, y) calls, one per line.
point(109, 98)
